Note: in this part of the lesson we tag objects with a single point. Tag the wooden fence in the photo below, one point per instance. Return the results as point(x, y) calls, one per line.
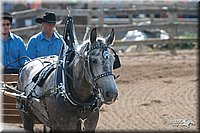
point(122, 20)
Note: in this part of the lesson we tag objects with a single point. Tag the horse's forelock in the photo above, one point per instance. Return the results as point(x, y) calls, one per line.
point(101, 39)
point(83, 47)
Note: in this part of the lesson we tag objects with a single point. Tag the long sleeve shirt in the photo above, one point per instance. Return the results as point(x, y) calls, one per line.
point(13, 50)
point(39, 46)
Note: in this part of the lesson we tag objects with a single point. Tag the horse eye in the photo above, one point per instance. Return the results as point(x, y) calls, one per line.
point(105, 55)
point(94, 61)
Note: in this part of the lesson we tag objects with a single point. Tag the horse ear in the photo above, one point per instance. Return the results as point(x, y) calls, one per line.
point(93, 35)
point(111, 37)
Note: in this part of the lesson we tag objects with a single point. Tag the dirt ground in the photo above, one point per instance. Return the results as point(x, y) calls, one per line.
point(158, 92)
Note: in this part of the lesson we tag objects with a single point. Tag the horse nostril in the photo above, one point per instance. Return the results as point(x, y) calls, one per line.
point(108, 94)
point(111, 94)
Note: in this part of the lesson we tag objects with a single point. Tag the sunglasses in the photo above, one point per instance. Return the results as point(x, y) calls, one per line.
point(6, 24)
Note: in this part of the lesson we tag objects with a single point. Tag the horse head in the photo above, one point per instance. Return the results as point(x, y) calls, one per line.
point(95, 70)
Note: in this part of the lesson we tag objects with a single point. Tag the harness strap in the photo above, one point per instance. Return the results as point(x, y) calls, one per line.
point(43, 74)
point(39, 79)
point(102, 75)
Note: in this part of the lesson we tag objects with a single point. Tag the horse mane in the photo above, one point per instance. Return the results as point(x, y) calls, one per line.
point(82, 47)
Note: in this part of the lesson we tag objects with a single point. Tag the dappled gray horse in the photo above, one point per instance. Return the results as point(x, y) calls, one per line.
point(69, 106)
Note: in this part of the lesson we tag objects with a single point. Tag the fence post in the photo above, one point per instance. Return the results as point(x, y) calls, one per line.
point(89, 17)
point(172, 29)
point(101, 21)
point(130, 16)
point(152, 16)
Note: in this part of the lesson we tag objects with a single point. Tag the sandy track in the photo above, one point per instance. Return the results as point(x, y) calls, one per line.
point(157, 92)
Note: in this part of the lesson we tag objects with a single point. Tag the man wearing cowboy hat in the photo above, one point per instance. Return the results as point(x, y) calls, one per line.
point(12, 46)
point(46, 42)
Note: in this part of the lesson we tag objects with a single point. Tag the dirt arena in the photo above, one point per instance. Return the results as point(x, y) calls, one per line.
point(158, 92)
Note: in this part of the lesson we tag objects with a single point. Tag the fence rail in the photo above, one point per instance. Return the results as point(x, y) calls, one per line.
point(122, 20)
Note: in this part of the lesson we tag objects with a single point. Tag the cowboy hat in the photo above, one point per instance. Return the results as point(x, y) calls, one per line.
point(8, 16)
point(49, 17)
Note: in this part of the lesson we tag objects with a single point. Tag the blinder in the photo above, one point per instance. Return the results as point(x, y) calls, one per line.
point(117, 63)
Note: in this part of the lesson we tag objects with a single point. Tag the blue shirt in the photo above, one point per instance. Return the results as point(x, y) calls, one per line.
point(39, 46)
point(13, 50)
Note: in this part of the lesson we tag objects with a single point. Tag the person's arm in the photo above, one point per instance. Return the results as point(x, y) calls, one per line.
point(31, 48)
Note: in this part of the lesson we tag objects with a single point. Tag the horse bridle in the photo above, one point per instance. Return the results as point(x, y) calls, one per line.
point(96, 89)
point(88, 68)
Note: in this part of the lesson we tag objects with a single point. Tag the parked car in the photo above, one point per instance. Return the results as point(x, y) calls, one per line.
point(137, 35)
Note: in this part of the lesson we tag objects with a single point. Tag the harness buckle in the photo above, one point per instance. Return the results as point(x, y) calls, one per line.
point(82, 123)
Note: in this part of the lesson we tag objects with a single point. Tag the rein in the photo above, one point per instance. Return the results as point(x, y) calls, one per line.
point(17, 61)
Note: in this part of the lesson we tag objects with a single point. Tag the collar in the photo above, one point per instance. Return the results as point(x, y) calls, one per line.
point(42, 36)
point(11, 36)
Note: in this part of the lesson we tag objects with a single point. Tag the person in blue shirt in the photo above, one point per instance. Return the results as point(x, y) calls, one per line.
point(46, 42)
point(13, 49)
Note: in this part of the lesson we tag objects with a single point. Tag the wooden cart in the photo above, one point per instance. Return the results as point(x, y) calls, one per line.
point(10, 112)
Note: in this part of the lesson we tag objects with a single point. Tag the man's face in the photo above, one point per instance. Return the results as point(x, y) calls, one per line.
point(48, 28)
point(5, 26)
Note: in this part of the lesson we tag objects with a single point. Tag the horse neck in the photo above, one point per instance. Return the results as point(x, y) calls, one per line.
point(82, 88)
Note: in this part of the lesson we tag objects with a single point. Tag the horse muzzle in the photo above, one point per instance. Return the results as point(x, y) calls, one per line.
point(110, 97)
